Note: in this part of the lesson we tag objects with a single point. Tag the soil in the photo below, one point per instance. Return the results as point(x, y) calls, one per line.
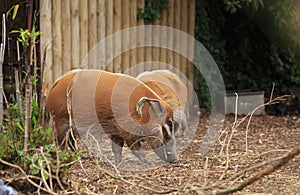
point(269, 137)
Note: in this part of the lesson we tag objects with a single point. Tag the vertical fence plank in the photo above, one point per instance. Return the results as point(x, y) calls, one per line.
point(83, 29)
point(148, 49)
point(75, 44)
point(155, 50)
point(109, 4)
point(191, 28)
point(190, 72)
point(133, 23)
point(170, 38)
point(46, 38)
point(92, 30)
point(177, 41)
point(163, 36)
point(101, 28)
point(184, 28)
point(56, 29)
point(75, 26)
point(141, 38)
point(66, 35)
point(117, 39)
point(125, 15)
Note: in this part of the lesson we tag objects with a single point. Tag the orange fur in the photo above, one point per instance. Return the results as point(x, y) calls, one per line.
point(116, 98)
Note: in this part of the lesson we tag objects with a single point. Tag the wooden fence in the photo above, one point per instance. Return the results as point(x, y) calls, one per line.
point(71, 28)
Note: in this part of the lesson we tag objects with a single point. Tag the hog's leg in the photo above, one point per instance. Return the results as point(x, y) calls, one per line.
point(117, 147)
point(63, 134)
point(135, 147)
point(184, 125)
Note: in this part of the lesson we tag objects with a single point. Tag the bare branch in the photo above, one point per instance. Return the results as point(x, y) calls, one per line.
point(270, 169)
point(119, 177)
point(27, 177)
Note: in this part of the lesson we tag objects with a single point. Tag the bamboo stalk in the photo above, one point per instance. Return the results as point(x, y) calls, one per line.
point(10, 65)
point(2, 51)
point(35, 74)
point(18, 96)
point(19, 62)
point(28, 100)
point(28, 93)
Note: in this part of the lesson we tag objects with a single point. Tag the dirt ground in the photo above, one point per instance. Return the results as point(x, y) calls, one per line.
point(269, 137)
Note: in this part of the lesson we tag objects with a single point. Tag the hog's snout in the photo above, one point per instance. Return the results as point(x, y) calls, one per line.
point(167, 152)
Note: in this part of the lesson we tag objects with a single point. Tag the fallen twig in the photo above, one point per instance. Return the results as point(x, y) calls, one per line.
point(244, 171)
point(27, 177)
point(49, 169)
point(270, 169)
point(233, 129)
point(121, 178)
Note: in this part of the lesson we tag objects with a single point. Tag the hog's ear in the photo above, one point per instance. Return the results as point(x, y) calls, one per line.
point(157, 107)
point(155, 104)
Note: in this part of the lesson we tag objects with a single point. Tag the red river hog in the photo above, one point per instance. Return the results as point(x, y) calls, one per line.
point(171, 89)
point(126, 109)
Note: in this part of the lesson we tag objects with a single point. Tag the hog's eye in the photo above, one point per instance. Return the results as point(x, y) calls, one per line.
point(170, 124)
point(169, 130)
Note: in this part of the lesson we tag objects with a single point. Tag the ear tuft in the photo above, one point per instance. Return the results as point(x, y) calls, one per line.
point(156, 106)
point(139, 106)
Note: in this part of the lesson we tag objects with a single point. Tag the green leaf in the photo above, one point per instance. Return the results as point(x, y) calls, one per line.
point(16, 7)
point(46, 175)
point(15, 31)
point(48, 132)
point(20, 126)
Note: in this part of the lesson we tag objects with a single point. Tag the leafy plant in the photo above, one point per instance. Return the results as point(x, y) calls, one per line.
point(233, 6)
point(209, 23)
point(13, 9)
point(244, 54)
point(48, 159)
point(151, 10)
point(7, 148)
point(43, 157)
point(27, 143)
point(26, 35)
